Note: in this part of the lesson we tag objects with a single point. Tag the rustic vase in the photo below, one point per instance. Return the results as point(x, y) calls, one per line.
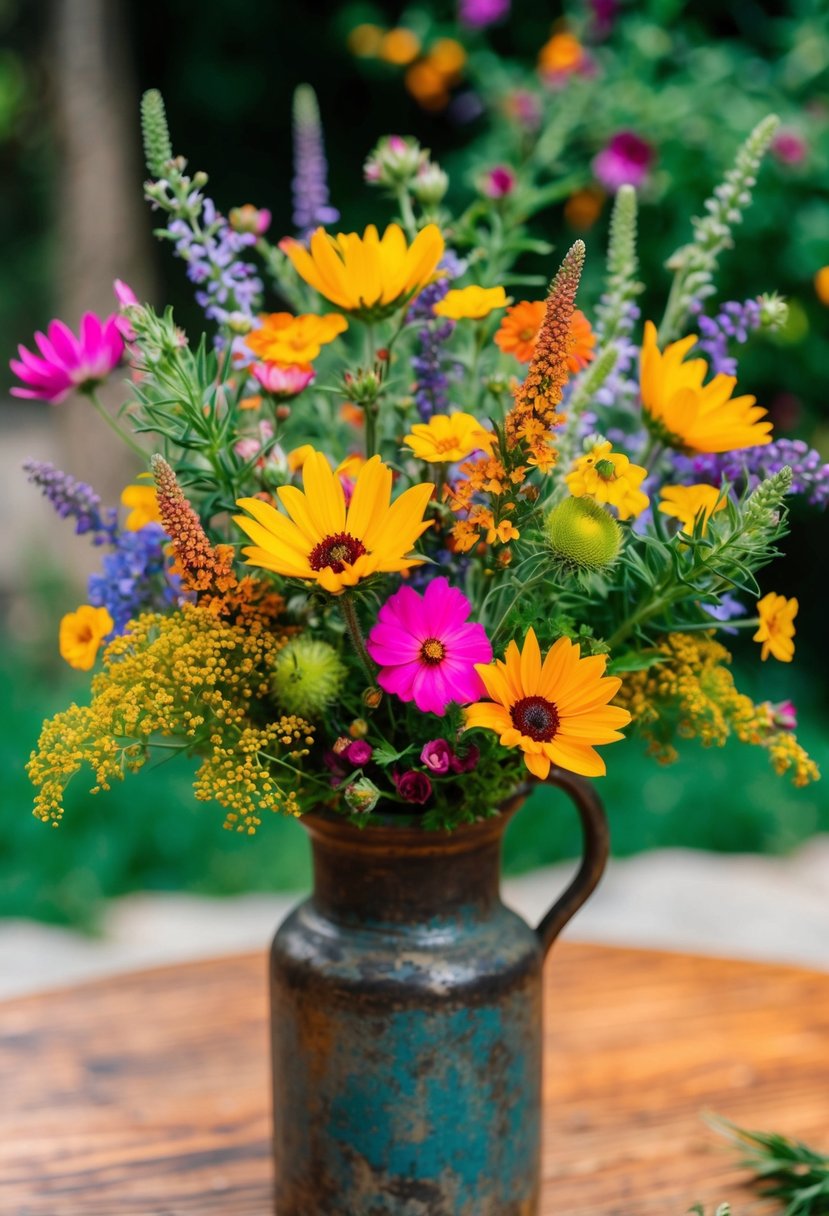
point(406, 1021)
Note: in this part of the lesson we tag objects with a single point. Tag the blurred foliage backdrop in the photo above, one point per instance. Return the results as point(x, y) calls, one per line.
point(691, 79)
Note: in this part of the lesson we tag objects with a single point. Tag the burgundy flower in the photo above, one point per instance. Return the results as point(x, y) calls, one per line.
point(437, 756)
point(498, 182)
point(413, 786)
point(467, 762)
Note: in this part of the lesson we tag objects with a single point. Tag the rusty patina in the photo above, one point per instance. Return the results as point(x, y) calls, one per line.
point(406, 1023)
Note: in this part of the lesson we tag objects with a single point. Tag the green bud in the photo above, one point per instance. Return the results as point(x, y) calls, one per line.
point(583, 537)
point(362, 796)
point(307, 676)
point(763, 505)
point(158, 150)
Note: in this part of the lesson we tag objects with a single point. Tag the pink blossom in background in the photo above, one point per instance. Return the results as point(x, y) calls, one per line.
point(783, 714)
point(437, 756)
point(283, 382)
point(789, 148)
point(67, 361)
point(248, 218)
point(427, 649)
point(476, 14)
point(498, 182)
point(624, 162)
point(126, 298)
point(524, 108)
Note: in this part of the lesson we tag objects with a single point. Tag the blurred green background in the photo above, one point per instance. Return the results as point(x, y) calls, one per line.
point(691, 78)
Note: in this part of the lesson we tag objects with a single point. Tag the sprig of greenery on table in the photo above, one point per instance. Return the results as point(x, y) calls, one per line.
point(787, 1170)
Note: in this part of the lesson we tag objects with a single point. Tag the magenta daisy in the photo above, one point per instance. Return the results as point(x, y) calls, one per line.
point(67, 362)
point(427, 649)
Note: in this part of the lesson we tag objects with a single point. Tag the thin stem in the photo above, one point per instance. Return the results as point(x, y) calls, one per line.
point(110, 421)
point(406, 212)
point(370, 415)
point(352, 624)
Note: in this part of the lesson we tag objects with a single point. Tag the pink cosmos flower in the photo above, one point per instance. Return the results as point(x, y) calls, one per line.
point(427, 649)
point(624, 162)
point(283, 382)
point(67, 362)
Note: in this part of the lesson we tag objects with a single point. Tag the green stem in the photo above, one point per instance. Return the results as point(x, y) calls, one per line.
point(407, 214)
point(370, 415)
point(644, 613)
point(352, 624)
point(110, 421)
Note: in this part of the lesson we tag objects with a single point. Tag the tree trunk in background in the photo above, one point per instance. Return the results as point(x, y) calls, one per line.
point(103, 230)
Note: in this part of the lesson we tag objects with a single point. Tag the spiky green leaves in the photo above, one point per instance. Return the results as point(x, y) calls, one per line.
point(158, 150)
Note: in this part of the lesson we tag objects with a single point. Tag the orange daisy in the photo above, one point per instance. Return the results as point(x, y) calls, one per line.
point(518, 334)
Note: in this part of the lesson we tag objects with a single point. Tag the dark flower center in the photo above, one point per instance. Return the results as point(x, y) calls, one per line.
point(337, 552)
point(535, 717)
point(432, 652)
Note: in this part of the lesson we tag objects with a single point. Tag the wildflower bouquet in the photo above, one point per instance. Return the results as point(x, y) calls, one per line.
point(411, 537)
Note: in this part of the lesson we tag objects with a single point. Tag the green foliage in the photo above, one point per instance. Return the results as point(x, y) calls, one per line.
point(622, 284)
point(158, 151)
point(787, 1170)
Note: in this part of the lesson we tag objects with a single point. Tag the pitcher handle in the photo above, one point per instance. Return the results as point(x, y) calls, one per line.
point(596, 847)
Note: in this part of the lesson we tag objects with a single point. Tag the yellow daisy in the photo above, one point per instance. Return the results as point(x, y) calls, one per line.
point(143, 506)
point(320, 541)
point(448, 437)
point(367, 275)
point(687, 503)
point(776, 626)
point(470, 303)
point(81, 634)
point(556, 711)
point(610, 479)
point(686, 414)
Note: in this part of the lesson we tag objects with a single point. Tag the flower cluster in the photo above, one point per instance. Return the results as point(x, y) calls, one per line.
point(497, 533)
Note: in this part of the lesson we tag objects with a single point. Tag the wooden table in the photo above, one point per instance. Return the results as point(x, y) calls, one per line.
point(148, 1093)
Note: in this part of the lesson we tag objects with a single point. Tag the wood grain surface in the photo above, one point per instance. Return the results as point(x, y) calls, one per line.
point(147, 1093)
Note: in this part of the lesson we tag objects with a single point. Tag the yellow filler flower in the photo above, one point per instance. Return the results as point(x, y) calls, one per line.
point(319, 541)
point(556, 711)
point(609, 478)
point(686, 414)
point(448, 437)
point(687, 503)
point(367, 275)
point(470, 303)
point(143, 505)
point(81, 634)
point(776, 626)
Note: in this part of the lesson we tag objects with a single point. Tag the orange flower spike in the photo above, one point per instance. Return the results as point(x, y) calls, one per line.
point(537, 398)
point(202, 567)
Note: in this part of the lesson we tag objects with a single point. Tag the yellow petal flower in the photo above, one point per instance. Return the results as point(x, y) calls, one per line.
point(368, 275)
point(470, 303)
point(776, 629)
point(687, 503)
point(294, 341)
point(81, 634)
point(555, 710)
point(448, 437)
point(143, 506)
point(683, 412)
point(321, 541)
point(609, 478)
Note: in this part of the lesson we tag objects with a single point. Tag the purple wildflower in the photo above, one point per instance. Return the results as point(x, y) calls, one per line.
point(430, 365)
point(74, 500)
point(228, 287)
point(726, 610)
point(736, 321)
point(310, 181)
point(747, 468)
point(135, 576)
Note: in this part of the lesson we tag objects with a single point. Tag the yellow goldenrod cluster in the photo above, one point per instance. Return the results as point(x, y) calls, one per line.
point(189, 676)
point(691, 694)
point(530, 422)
